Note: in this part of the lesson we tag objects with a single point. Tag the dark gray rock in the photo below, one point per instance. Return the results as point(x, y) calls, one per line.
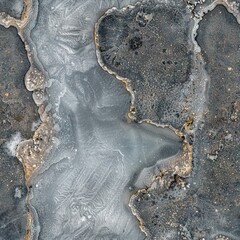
point(12, 7)
point(17, 114)
point(206, 204)
point(149, 45)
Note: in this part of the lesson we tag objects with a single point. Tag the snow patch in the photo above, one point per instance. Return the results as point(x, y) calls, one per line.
point(12, 144)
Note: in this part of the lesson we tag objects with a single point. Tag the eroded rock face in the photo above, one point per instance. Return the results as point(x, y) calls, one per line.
point(17, 114)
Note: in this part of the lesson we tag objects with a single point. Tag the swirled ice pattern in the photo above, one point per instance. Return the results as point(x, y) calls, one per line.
point(83, 188)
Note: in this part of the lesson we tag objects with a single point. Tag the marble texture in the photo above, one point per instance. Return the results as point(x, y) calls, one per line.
point(137, 134)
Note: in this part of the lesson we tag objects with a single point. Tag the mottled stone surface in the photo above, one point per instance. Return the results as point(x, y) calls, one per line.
point(12, 7)
point(105, 172)
point(17, 114)
point(219, 158)
point(205, 205)
point(149, 45)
